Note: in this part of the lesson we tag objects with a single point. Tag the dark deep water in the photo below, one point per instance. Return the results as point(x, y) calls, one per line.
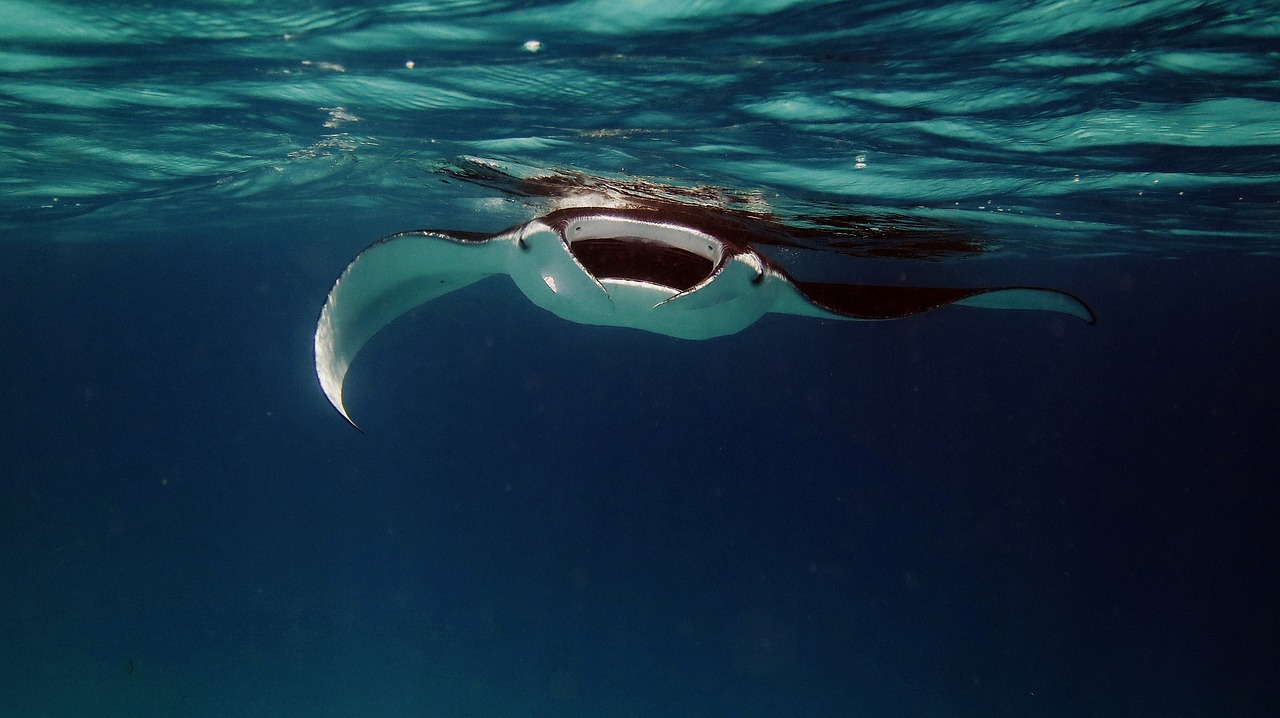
point(958, 514)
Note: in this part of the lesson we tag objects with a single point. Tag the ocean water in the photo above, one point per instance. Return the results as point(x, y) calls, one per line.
point(963, 513)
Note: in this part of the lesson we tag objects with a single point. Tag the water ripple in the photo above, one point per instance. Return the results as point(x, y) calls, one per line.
point(1055, 113)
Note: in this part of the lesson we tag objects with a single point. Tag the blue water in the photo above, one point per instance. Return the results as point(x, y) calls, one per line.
point(956, 514)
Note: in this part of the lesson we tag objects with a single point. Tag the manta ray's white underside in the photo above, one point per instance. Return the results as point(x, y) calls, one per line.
point(616, 268)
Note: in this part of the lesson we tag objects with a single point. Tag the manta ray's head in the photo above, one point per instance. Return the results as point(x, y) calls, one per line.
point(637, 246)
point(617, 266)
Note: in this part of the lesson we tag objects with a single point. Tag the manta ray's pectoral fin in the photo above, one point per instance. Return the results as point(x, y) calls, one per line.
point(866, 301)
point(386, 280)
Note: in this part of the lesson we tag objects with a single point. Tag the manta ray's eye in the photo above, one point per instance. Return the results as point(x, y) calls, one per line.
point(523, 244)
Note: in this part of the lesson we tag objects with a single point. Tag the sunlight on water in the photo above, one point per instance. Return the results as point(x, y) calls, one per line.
point(1063, 113)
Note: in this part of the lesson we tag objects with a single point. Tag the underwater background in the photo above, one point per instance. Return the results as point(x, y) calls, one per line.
point(964, 513)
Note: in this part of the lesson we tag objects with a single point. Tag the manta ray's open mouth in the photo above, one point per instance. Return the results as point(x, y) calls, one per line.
point(632, 246)
point(642, 260)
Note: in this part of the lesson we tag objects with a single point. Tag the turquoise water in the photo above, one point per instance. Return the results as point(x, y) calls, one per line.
point(950, 515)
point(1153, 123)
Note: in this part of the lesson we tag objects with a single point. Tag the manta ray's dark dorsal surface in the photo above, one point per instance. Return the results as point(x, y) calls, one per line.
point(679, 268)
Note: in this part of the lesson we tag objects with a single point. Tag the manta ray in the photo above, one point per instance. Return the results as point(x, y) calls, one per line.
point(663, 266)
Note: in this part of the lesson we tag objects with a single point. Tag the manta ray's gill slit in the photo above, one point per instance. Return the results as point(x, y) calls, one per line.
point(640, 260)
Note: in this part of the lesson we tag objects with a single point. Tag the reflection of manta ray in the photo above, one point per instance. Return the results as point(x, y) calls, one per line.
point(672, 267)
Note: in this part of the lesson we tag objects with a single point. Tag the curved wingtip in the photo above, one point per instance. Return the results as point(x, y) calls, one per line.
point(342, 409)
point(866, 301)
point(383, 282)
point(330, 369)
point(1086, 313)
point(1035, 298)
